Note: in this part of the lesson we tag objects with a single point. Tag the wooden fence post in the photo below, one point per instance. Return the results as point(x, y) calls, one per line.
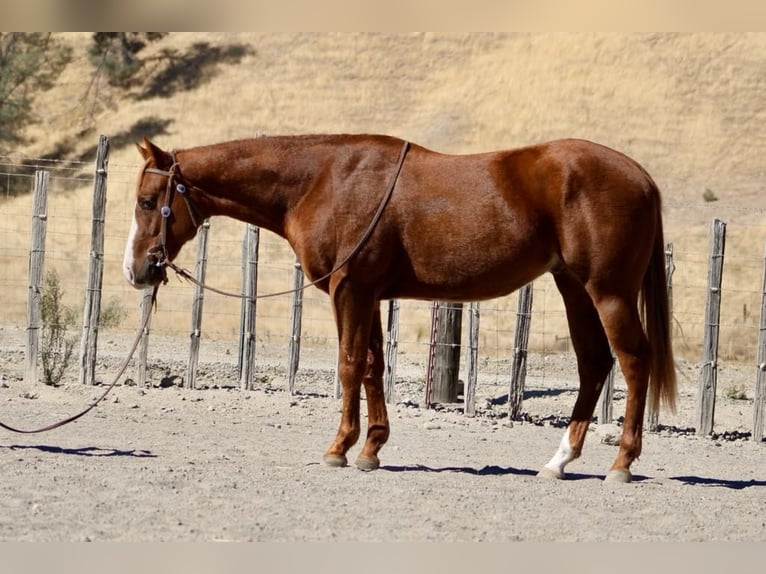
point(392, 342)
point(243, 305)
point(92, 311)
point(709, 372)
point(759, 402)
point(336, 376)
point(294, 344)
point(36, 267)
point(472, 360)
point(670, 268)
point(143, 349)
point(199, 297)
point(444, 353)
point(431, 355)
point(249, 290)
point(520, 343)
point(606, 409)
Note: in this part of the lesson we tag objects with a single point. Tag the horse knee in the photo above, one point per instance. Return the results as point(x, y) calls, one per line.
point(374, 367)
point(352, 368)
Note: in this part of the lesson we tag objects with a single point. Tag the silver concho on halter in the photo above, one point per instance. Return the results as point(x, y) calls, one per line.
point(181, 188)
point(165, 211)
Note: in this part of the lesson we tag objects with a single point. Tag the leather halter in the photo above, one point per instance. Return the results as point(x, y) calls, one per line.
point(159, 251)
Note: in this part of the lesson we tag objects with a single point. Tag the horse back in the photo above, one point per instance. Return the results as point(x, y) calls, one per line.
point(483, 225)
point(478, 226)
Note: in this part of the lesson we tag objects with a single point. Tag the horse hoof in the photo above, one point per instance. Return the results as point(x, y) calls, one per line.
point(618, 475)
point(546, 472)
point(364, 463)
point(335, 460)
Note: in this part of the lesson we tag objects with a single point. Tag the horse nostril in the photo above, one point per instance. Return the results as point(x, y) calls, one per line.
point(128, 273)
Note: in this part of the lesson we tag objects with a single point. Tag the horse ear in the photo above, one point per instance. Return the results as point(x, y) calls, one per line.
point(162, 159)
point(142, 150)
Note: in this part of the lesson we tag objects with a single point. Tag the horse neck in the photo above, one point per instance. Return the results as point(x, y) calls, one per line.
point(257, 181)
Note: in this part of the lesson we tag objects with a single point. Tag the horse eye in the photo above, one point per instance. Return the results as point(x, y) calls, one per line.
point(147, 203)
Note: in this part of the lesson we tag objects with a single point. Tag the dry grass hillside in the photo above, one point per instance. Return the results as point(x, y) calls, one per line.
point(689, 107)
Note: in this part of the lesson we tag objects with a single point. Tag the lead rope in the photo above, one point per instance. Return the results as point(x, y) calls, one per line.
point(120, 371)
point(185, 274)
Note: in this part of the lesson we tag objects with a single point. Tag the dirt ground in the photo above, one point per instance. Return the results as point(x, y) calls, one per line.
point(154, 463)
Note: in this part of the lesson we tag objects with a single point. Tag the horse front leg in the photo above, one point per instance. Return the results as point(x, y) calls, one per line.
point(377, 416)
point(353, 316)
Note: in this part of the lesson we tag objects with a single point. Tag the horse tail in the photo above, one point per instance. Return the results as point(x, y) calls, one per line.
point(655, 311)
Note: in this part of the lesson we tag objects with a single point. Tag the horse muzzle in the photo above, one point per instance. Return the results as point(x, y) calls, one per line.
point(151, 272)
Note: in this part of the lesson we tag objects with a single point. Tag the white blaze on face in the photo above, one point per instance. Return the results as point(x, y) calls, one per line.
point(128, 260)
point(564, 455)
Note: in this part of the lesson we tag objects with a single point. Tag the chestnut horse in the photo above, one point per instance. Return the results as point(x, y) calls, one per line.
point(448, 227)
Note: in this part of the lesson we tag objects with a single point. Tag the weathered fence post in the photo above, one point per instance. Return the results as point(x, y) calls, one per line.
point(606, 409)
point(92, 311)
point(199, 297)
point(392, 342)
point(243, 305)
point(670, 268)
point(431, 355)
point(709, 372)
point(36, 266)
point(444, 353)
point(294, 344)
point(759, 402)
point(520, 343)
point(336, 376)
point(143, 349)
point(472, 360)
point(249, 290)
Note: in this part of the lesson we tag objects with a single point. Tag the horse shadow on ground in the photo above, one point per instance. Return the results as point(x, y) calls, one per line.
point(490, 470)
point(83, 451)
point(494, 470)
point(725, 483)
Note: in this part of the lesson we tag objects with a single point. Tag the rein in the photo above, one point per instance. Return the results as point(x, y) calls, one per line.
point(120, 371)
point(182, 189)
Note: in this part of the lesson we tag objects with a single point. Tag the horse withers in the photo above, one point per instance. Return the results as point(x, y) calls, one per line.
point(447, 227)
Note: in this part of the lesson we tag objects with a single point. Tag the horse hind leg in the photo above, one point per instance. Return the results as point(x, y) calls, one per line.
point(594, 361)
point(619, 314)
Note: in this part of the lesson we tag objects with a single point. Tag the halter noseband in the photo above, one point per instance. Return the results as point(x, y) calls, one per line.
point(159, 251)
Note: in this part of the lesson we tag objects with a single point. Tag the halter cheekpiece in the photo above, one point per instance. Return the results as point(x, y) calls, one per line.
point(159, 251)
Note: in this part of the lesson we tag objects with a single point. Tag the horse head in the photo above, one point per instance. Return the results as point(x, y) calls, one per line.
point(163, 218)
